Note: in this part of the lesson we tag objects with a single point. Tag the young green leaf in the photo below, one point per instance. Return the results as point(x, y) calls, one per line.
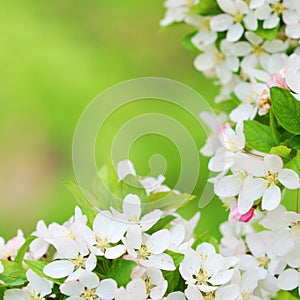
point(286, 109)
point(206, 7)
point(173, 278)
point(22, 251)
point(294, 163)
point(295, 142)
point(258, 136)
point(266, 34)
point(187, 43)
point(120, 271)
point(281, 150)
point(162, 223)
point(38, 267)
point(13, 275)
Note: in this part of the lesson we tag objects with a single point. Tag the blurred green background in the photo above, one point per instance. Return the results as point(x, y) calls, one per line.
point(56, 56)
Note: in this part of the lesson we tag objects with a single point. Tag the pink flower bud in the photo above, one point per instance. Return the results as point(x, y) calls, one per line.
point(242, 217)
point(277, 80)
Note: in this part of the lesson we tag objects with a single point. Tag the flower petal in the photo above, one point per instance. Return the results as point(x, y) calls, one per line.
point(59, 269)
point(289, 178)
point(273, 163)
point(221, 22)
point(271, 198)
point(288, 280)
point(107, 289)
point(235, 32)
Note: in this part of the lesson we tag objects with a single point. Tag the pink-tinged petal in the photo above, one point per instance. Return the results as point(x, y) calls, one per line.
point(288, 280)
point(115, 252)
point(72, 288)
point(271, 198)
point(59, 269)
point(107, 289)
point(273, 163)
point(132, 206)
point(242, 217)
point(159, 241)
point(235, 32)
point(289, 178)
point(221, 22)
point(162, 261)
point(89, 279)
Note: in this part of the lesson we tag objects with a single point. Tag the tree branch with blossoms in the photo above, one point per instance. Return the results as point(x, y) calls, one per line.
point(140, 247)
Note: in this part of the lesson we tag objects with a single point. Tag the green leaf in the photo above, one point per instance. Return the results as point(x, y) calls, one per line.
point(38, 267)
point(266, 34)
point(162, 223)
point(294, 163)
point(177, 257)
point(258, 136)
point(22, 251)
point(120, 271)
point(166, 201)
point(13, 275)
point(173, 278)
point(286, 109)
point(206, 7)
point(83, 203)
point(284, 295)
point(281, 150)
point(227, 106)
point(295, 142)
point(187, 42)
point(207, 237)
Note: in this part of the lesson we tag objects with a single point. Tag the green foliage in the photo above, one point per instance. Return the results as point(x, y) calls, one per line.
point(295, 142)
point(13, 275)
point(187, 42)
point(206, 237)
point(266, 34)
point(206, 7)
point(281, 150)
point(174, 279)
point(284, 295)
point(38, 267)
point(177, 257)
point(167, 201)
point(162, 223)
point(22, 251)
point(286, 109)
point(120, 271)
point(83, 203)
point(258, 136)
point(294, 163)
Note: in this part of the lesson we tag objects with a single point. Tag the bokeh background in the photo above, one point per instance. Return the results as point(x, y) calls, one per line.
point(55, 57)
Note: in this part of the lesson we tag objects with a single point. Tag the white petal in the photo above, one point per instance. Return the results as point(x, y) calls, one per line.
point(241, 48)
point(40, 284)
point(59, 269)
point(107, 289)
point(253, 38)
point(221, 22)
point(222, 277)
point(256, 3)
point(72, 288)
point(250, 21)
point(91, 262)
point(148, 220)
point(289, 178)
point(115, 252)
point(176, 296)
point(227, 6)
point(162, 261)
point(271, 198)
point(132, 206)
point(229, 292)
point(15, 294)
point(234, 32)
point(263, 12)
point(89, 279)
point(275, 46)
point(288, 280)
point(293, 31)
point(125, 168)
point(292, 81)
point(271, 22)
point(203, 62)
point(229, 186)
point(273, 163)
point(242, 112)
point(159, 241)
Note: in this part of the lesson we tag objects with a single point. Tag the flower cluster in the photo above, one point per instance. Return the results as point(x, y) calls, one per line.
point(252, 49)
